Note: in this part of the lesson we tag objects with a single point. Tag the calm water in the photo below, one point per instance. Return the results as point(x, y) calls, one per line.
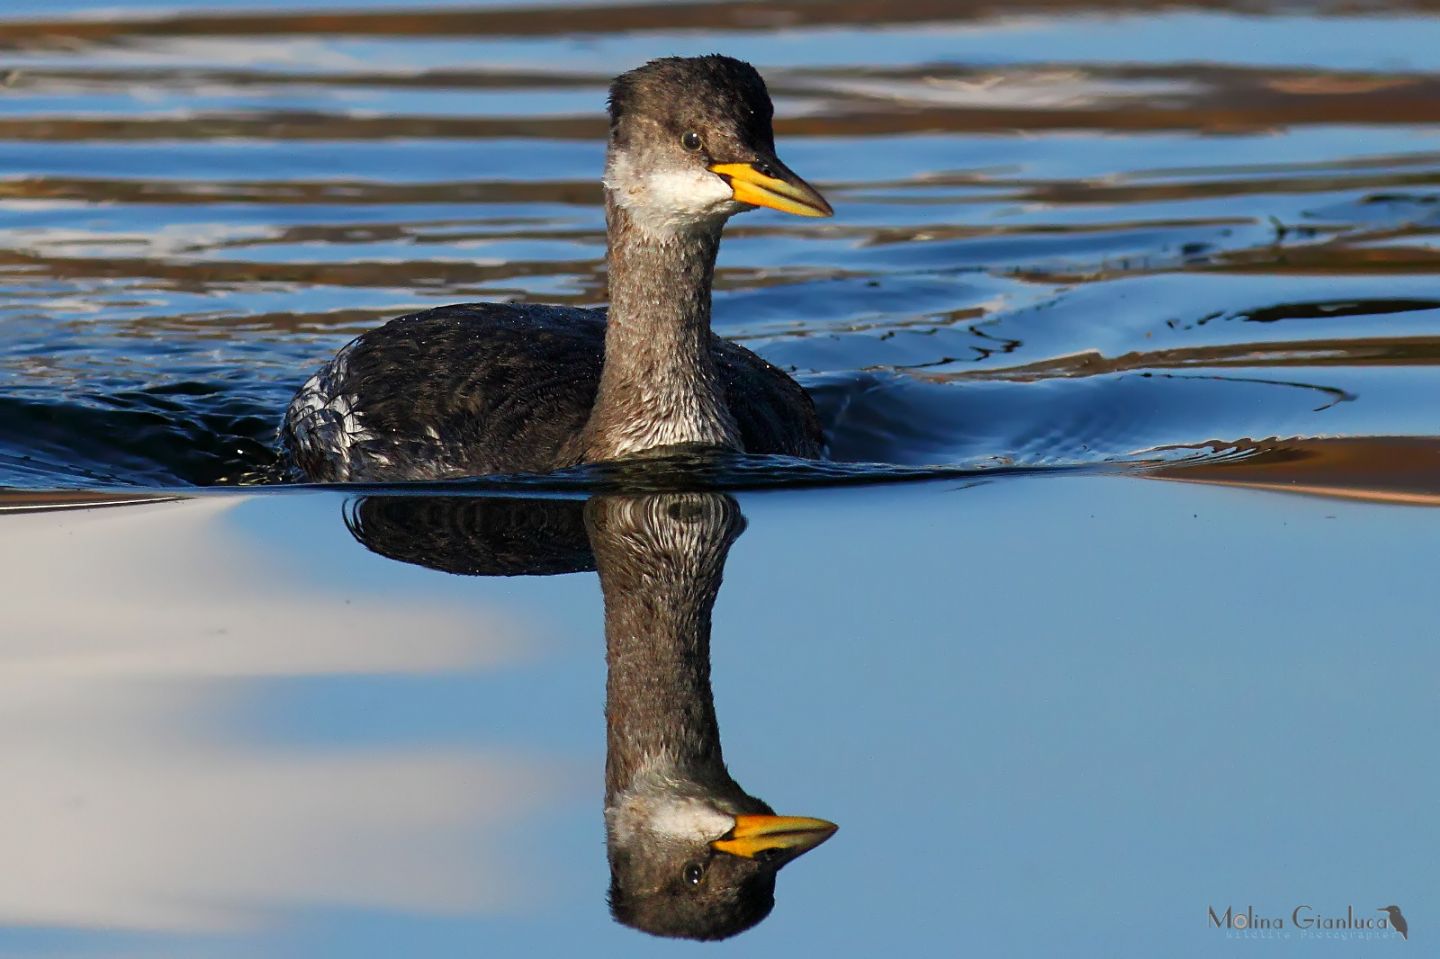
point(1105, 280)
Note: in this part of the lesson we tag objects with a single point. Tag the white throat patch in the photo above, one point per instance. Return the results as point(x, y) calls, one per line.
point(679, 819)
point(669, 200)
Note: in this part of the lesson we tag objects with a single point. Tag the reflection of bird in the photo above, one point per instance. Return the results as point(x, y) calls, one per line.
point(475, 535)
point(1397, 921)
point(691, 853)
point(490, 388)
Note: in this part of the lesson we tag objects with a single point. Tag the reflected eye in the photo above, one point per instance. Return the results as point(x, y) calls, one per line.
point(694, 872)
point(690, 140)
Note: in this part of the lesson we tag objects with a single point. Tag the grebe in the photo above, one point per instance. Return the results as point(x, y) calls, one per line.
point(482, 388)
point(692, 853)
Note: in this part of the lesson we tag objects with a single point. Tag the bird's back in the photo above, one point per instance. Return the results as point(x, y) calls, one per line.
point(484, 388)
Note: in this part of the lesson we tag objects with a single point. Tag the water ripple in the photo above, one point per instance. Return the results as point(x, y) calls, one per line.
point(1057, 246)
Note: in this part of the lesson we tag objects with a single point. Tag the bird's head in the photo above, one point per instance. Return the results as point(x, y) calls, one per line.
point(696, 867)
point(691, 144)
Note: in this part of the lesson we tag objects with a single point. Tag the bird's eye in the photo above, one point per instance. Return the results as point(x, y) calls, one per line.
point(690, 140)
point(694, 872)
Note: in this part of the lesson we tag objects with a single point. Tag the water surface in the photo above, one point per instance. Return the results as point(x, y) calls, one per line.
point(1071, 234)
point(1132, 305)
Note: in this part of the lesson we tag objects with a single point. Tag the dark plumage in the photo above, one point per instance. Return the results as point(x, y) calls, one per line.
point(675, 94)
point(649, 892)
point(493, 388)
point(510, 389)
point(475, 535)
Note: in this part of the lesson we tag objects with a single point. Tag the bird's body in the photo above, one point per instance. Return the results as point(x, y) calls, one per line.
point(499, 388)
point(512, 390)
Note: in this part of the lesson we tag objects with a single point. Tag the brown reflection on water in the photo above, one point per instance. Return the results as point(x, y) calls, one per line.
point(1365, 351)
point(303, 192)
point(1332, 259)
point(556, 20)
point(1402, 470)
point(49, 501)
point(938, 101)
point(199, 275)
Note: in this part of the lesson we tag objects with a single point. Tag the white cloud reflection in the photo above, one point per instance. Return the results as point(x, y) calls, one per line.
point(131, 801)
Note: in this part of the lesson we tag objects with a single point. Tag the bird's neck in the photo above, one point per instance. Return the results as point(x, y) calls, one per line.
point(660, 386)
point(661, 558)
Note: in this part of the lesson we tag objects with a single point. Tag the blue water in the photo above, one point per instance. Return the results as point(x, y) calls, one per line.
point(1043, 727)
point(1112, 607)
